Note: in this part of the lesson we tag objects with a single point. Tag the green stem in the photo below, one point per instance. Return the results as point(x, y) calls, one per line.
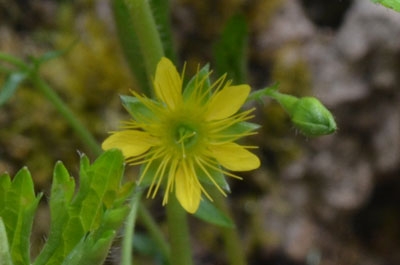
point(233, 246)
point(83, 133)
point(129, 228)
point(13, 60)
point(146, 30)
point(151, 226)
point(181, 253)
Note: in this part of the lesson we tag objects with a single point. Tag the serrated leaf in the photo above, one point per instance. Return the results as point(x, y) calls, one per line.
point(17, 212)
point(230, 52)
point(10, 86)
point(160, 10)
point(92, 209)
point(137, 109)
point(393, 4)
point(130, 44)
point(200, 79)
point(62, 190)
point(211, 214)
point(5, 258)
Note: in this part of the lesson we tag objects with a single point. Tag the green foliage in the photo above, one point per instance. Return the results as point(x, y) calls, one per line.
point(82, 225)
point(230, 52)
point(130, 44)
point(137, 109)
point(10, 85)
point(17, 207)
point(5, 258)
point(393, 4)
point(160, 10)
point(211, 214)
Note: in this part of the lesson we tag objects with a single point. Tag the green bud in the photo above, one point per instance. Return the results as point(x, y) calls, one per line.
point(307, 113)
point(312, 118)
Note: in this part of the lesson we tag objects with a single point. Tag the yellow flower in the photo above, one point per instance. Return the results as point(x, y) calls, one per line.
point(183, 136)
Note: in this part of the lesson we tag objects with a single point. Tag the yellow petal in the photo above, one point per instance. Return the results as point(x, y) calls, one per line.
point(227, 102)
point(234, 157)
point(168, 84)
point(131, 142)
point(187, 191)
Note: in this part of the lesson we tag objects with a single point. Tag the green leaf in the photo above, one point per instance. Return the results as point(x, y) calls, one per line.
point(393, 4)
point(160, 10)
point(96, 208)
point(10, 86)
point(50, 55)
point(201, 78)
point(137, 109)
point(5, 258)
point(230, 52)
point(211, 214)
point(17, 211)
point(130, 44)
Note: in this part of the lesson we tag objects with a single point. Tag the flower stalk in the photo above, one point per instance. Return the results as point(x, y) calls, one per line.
point(181, 253)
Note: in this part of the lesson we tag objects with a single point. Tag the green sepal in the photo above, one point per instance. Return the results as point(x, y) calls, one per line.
point(10, 85)
point(211, 214)
point(233, 132)
point(201, 78)
point(5, 257)
point(147, 179)
point(137, 109)
point(217, 176)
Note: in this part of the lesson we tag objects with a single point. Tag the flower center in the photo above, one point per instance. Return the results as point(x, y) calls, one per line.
point(185, 136)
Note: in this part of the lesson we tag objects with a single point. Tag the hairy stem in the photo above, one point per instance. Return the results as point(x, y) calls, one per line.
point(181, 253)
point(129, 228)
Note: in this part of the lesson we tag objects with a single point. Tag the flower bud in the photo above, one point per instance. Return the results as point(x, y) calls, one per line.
point(312, 118)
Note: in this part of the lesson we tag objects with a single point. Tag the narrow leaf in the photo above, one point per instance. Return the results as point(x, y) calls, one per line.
point(160, 10)
point(50, 55)
point(209, 213)
point(10, 86)
point(230, 52)
point(130, 44)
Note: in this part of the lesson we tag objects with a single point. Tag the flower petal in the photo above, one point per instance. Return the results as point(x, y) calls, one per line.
point(168, 84)
point(227, 102)
point(234, 157)
point(187, 191)
point(131, 142)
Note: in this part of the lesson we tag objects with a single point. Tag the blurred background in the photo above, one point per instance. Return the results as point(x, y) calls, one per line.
point(332, 200)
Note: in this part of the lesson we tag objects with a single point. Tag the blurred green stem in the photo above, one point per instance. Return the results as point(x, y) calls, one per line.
point(233, 246)
point(13, 60)
point(153, 229)
point(83, 133)
point(146, 30)
point(181, 253)
point(129, 227)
